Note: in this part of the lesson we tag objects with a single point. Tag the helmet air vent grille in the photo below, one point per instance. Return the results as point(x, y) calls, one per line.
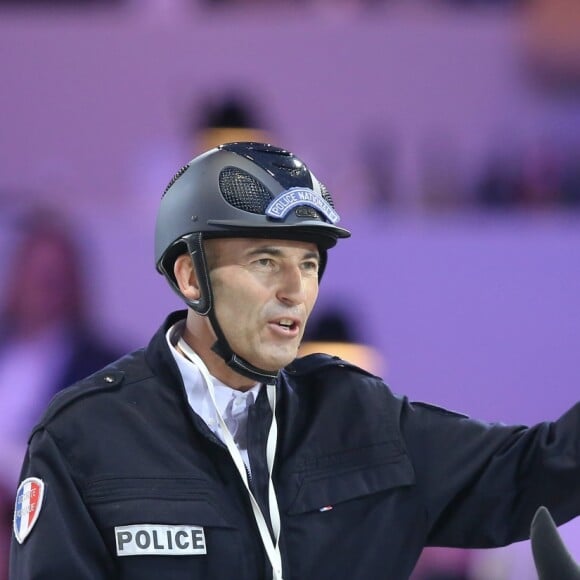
point(175, 178)
point(326, 194)
point(243, 190)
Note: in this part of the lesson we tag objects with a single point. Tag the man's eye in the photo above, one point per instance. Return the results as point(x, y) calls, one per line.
point(265, 262)
point(310, 266)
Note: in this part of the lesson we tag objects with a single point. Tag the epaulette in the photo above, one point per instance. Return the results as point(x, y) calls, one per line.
point(108, 378)
point(316, 362)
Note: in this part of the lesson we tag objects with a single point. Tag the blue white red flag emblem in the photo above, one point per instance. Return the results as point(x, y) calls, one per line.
point(28, 504)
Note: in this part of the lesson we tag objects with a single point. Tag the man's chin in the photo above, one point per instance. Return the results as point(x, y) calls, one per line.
point(273, 365)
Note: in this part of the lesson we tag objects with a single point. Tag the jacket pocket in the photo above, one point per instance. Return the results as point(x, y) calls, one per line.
point(167, 528)
point(120, 501)
point(331, 479)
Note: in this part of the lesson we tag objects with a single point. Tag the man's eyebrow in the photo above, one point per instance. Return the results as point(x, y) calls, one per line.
point(264, 250)
point(312, 254)
point(277, 252)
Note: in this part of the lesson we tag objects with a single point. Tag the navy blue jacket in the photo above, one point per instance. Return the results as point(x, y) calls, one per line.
point(365, 479)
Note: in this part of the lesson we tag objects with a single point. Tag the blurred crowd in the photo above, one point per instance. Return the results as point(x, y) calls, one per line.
point(538, 177)
point(47, 341)
point(354, 3)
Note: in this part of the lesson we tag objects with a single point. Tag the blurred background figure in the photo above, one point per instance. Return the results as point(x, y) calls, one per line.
point(227, 118)
point(333, 332)
point(46, 340)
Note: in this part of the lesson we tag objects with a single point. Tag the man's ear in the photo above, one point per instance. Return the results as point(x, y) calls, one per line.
point(186, 277)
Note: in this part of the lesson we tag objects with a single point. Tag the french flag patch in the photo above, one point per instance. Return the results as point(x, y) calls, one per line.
point(27, 509)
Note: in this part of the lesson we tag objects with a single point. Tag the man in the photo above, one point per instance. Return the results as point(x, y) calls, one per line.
point(214, 454)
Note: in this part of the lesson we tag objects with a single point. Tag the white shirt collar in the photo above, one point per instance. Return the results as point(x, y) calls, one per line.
point(196, 391)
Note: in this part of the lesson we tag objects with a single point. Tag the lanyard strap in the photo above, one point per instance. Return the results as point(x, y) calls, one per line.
point(272, 547)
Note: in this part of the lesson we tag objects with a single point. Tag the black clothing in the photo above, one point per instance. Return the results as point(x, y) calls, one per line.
point(364, 479)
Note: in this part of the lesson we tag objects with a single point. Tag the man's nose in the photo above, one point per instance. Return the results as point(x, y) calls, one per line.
point(291, 289)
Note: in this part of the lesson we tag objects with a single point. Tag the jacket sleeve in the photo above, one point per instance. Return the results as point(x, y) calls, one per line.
point(482, 483)
point(64, 542)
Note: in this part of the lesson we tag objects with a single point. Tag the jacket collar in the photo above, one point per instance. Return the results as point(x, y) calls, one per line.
point(157, 353)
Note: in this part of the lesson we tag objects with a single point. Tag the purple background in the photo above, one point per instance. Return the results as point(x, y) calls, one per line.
point(478, 311)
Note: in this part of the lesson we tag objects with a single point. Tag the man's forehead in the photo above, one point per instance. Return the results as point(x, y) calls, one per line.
point(252, 245)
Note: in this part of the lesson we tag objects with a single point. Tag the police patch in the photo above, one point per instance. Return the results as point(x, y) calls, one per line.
point(284, 202)
point(27, 508)
point(159, 540)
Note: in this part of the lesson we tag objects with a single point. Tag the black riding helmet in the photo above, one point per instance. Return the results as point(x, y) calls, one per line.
point(240, 190)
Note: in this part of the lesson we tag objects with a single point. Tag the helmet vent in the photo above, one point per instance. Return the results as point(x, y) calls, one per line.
point(175, 178)
point(243, 190)
point(326, 194)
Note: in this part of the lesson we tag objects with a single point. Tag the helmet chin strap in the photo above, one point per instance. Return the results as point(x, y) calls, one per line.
point(206, 307)
point(235, 362)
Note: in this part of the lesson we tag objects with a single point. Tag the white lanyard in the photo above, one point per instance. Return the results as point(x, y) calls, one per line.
point(272, 547)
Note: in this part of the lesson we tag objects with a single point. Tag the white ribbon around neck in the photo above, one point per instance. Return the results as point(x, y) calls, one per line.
point(272, 547)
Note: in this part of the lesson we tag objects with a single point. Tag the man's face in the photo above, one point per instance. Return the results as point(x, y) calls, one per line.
point(264, 291)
